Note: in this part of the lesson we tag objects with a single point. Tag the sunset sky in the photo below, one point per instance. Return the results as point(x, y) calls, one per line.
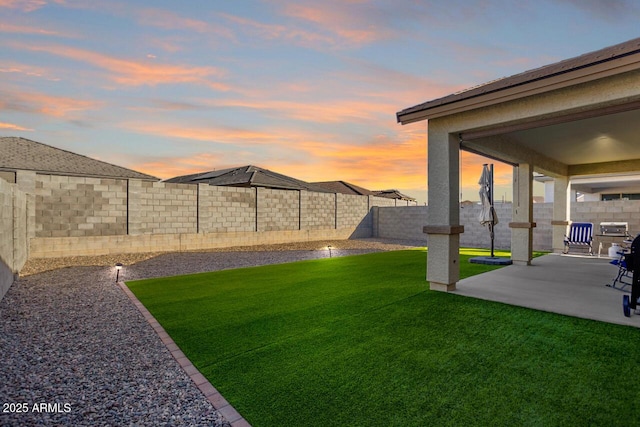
point(305, 88)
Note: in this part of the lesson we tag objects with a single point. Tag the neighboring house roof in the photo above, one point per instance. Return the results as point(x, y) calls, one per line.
point(343, 187)
point(23, 154)
point(348, 188)
point(393, 194)
point(247, 176)
point(602, 56)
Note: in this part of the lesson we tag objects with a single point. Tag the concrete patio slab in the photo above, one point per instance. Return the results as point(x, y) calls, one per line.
point(569, 285)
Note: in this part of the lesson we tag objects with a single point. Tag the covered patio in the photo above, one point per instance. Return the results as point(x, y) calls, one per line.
point(576, 118)
point(569, 285)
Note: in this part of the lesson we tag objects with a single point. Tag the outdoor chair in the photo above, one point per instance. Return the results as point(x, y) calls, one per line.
point(580, 235)
point(630, 302)
point(625, 271)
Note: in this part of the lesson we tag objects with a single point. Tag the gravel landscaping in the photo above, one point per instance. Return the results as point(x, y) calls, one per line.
point(76, 351)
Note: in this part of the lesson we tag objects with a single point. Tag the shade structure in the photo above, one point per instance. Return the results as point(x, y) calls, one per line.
point(487, 215)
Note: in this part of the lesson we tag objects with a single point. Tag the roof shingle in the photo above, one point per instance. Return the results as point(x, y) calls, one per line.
point(23, 154)
point(247, 176)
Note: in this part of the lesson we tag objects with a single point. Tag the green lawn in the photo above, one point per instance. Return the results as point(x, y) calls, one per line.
point(361, 341)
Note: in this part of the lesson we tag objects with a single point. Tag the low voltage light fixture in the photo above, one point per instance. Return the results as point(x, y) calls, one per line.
point(329, 247)
point(118, 268)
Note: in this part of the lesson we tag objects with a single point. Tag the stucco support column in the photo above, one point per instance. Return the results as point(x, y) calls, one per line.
point(443, 222)
point(522, 217)
point(561, 209)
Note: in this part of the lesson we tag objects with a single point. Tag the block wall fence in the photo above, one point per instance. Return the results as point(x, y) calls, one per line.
point(92, 216)
point(15, 208)
point(54, 216)
point(407, 222)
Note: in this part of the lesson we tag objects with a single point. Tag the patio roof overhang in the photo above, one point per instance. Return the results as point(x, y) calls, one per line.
point(578, 117)
point(595, 135)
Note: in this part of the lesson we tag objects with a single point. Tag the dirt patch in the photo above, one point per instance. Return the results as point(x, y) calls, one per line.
point(39, 265)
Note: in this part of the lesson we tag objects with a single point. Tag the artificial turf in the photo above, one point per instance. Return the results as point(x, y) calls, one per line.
point(361, 341)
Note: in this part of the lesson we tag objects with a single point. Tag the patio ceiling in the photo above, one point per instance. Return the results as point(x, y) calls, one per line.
point(585, 143)
point(607, 183)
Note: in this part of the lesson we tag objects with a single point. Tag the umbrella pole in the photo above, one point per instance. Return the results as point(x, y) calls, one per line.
point(491, 231)
point(491, 204)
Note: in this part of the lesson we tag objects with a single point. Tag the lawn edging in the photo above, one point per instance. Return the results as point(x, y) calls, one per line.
point(216, 399)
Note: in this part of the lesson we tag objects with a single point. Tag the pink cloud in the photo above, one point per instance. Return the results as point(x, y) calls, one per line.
point(334, 18)
point(27, 70)
point(22, 29)
point(48, 105)
point(274, 31)
point(24, 5)
point(137, 73)
point(172, 21)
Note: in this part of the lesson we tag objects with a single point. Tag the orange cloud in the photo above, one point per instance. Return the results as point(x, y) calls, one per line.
point(48, 105)
point(396, 161)
point(217, 134)
point(136, 73)
point(471, 168)
point(11, 126)
point(392, 160)
point(333, 111)
point(166, 168)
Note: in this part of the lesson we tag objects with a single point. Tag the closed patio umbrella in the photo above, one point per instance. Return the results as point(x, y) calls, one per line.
point(487, 215)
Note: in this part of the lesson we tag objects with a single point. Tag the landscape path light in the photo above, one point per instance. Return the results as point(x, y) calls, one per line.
point(118, 268)
point(329, 247)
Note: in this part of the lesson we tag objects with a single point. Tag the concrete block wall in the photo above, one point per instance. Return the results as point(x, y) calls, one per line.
point(88, 216)
point(22, 209)
point(542, 233)
point(354, 213)
point(8, 176)
point(162, 208)
point(405, 203)
point(14, 233)
point(381, 201)
point(610, 211)
point(278, 210)
point(6, 236)
point(403, 222)
point(226, 209)
point(77, 207)
point(407, 222)
point(477, 235)
point(317, 210)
